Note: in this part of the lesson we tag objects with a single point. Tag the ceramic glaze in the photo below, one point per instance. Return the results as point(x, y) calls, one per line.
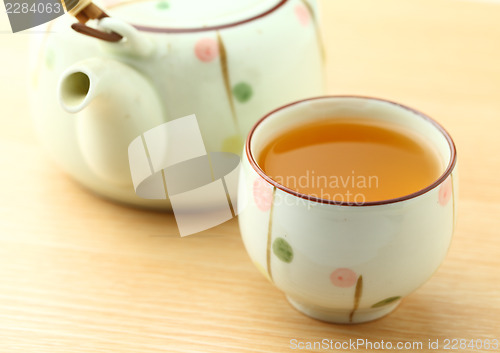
point(346, 263)
point(228, 62)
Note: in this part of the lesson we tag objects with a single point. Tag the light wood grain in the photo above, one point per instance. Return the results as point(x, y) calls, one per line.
point(81, 274)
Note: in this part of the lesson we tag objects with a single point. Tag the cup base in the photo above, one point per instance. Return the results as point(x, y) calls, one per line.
point(343, 316)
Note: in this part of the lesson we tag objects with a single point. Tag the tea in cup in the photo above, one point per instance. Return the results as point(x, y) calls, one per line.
point(350, 203)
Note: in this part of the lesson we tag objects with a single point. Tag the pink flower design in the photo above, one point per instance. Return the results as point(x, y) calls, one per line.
point(343, 277)
point(206, 49)
point(445, 191)
point(303, 14)
point(262, 194)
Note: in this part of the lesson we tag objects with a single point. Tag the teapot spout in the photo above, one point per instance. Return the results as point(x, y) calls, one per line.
point(113, 104)
point(74, 91)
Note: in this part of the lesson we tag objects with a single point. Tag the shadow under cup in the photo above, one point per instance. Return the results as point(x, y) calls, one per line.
point(339, 262)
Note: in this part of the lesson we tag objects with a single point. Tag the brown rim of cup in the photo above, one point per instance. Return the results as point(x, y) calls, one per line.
point(442, 178)
point(209, 28)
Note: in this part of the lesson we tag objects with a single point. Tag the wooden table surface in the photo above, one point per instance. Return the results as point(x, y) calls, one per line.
point(80, 274)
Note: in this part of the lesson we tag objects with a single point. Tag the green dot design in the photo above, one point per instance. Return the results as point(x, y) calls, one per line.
point(283, 250)
point(162, 5)
point(385, 301)
point(233, 144)
point(242, 92)
point(49, 59)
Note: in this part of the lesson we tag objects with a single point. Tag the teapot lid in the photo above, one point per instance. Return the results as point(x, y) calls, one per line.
point(189, 15)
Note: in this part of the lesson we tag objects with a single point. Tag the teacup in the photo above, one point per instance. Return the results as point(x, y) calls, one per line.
point(339, 262)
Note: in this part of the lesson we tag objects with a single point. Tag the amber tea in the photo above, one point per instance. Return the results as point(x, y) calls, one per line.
point(351, 160)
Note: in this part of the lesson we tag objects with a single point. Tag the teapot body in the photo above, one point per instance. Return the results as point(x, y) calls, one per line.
point(228, 74)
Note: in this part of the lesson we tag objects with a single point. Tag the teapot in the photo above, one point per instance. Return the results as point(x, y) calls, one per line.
point(153, 61)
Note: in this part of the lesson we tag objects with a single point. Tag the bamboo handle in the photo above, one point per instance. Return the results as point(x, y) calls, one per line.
point(83, 10)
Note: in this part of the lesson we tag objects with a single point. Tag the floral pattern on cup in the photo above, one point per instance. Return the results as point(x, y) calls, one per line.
point(242, 92)
point(262, 194)
point(343, 277)
point(206, 49)
point(445, 191)
point(162, 5)
point(303, 14)
point(386, 301)
point(283, 250)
